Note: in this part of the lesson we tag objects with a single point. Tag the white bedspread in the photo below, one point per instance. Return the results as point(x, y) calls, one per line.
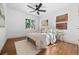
point(42, 39)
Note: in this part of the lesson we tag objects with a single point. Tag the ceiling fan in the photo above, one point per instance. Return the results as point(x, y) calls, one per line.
point(37, 8)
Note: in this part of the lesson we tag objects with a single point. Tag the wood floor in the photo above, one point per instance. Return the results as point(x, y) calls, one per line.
point(9, 46)
point(60, 48)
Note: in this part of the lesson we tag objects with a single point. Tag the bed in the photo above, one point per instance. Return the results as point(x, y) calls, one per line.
point(41, 40)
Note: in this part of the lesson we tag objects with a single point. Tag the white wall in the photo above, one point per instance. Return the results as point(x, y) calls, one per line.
point(15, 22)
point(71, 33)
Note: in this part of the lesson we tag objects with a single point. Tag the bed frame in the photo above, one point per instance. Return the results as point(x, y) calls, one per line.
point(31, 40)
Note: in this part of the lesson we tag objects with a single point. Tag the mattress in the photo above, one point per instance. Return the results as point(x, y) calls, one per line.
point(41, 40)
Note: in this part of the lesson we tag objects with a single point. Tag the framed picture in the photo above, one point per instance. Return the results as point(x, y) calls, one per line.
point(44, 22)
point(30, 23)
point(61, 22)
point(2, 16)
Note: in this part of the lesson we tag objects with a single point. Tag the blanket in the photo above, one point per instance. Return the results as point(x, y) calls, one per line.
point(42, 40)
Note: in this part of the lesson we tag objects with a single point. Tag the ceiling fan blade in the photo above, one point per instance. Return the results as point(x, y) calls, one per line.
point(32, 11)
point(38, 13)
point(42, 10)
point(30, 7)
point(38, 6)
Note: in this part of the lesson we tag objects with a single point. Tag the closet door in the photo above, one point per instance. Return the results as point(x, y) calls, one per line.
point(2, 26)
point(2, 38)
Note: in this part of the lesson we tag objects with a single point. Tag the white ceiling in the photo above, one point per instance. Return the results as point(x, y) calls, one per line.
point(49, 7)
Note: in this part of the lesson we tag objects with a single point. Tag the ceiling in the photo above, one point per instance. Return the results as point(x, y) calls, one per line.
point(49, 7)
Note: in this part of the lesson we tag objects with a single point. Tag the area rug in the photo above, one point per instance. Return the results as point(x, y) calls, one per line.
point(24, 47)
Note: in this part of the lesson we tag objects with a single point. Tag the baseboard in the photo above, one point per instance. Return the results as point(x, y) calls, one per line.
point(17, 37)
point(68, 42)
